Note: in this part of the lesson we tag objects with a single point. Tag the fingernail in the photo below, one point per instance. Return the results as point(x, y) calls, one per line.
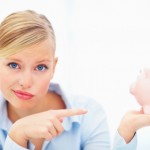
point(61, 120)
point(84, 110)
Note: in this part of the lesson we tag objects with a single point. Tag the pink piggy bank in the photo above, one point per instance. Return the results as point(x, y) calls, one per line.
point(141, 90)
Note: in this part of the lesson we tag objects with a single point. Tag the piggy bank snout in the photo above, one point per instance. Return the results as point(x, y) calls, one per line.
point(143, 98)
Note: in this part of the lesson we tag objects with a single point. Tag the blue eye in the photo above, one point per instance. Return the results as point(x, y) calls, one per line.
point(41, 67)
point(13, 65)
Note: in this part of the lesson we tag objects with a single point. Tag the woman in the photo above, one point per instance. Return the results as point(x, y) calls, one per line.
point(38, 114)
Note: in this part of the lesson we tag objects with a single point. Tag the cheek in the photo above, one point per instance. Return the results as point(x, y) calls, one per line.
point(141, 89)
point(137, 85)
point(43, 86)
point(6, 79)
point(5, 85)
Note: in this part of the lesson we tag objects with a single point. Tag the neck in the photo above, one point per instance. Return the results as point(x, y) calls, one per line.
point(50, 101)
point(15, 114)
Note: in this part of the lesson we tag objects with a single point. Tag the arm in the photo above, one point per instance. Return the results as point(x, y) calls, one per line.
point(130, 123)
point(120, 143)
point(46, 125)
point(10, 144)
point(6, 143)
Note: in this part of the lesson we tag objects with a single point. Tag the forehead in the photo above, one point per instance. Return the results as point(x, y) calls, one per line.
point(43, 49)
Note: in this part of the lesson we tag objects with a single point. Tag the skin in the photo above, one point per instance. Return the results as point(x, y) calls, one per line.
point(134, 120)
point(40, 116)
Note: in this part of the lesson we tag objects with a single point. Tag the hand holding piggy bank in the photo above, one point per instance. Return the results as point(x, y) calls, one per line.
point(141, 90)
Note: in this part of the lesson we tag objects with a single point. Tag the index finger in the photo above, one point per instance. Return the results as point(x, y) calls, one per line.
point(70, 112)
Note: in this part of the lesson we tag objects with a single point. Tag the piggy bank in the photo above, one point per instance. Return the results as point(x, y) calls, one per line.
point(141, 89)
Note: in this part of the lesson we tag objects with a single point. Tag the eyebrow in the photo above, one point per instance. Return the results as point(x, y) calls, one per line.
point(13, 59)
point(44, 60)
point(18, 60)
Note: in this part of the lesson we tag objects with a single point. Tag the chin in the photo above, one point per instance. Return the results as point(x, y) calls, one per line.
point(25, 107)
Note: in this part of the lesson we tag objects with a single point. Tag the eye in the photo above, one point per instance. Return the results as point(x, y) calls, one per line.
point(41, 67)
point(13, 65)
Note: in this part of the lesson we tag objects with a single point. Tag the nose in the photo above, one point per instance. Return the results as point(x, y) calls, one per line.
point(145, 72)
point(25, 80)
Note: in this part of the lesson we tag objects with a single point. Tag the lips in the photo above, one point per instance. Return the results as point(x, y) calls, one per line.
point(23, 95)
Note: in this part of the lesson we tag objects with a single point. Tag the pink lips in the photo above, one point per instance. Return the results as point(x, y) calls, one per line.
point(23, 95)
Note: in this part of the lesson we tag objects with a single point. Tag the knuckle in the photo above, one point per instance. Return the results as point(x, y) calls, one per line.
point(50, 126)
point(43, 131)
point(52, 118)
point(48, 137)
point(51, 111)
point(55, 134)
point(60, 130)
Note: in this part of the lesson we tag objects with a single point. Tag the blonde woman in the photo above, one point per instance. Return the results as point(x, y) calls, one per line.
point(35, 113)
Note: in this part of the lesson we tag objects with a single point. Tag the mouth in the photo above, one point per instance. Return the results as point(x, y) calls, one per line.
point(23, 95)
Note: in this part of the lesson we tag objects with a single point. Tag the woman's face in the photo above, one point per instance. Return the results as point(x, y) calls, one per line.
point(141, 87)
point(25, 76)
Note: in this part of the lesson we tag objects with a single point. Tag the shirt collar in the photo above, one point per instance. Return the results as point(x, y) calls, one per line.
point(68, 100)
point(5, 123)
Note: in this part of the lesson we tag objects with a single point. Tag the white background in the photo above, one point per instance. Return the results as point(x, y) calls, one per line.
point(101, 45)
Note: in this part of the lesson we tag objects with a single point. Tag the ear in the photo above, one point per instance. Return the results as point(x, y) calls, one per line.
point(54, 65)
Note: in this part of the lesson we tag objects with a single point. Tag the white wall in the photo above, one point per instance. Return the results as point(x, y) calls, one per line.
point(101, 44)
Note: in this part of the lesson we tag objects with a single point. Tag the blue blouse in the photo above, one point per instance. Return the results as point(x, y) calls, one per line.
point(84, 132)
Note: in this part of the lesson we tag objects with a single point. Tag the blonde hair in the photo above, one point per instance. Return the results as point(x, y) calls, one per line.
point(23, 29)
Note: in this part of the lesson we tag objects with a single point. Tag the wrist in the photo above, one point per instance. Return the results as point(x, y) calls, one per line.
point(126, 131)
point(18, 136)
